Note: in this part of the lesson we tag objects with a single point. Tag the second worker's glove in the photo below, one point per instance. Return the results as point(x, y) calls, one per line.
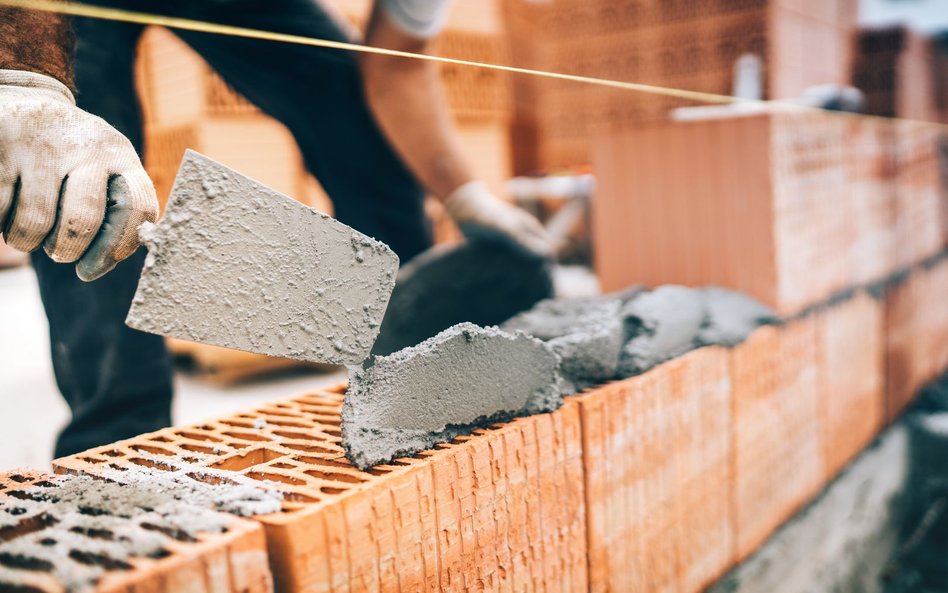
point(477, 211)
point(68, 180)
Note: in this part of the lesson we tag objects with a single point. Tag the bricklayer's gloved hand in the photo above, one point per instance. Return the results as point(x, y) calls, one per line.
point(68, 180)
point(478, 211)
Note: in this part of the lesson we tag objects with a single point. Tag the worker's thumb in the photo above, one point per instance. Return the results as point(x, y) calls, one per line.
point(131, 201)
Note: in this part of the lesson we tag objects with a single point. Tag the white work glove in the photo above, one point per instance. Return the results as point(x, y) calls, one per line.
point(68, 180)
point(477, 211)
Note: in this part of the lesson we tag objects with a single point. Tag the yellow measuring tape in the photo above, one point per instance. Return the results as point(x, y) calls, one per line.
point(129, 16)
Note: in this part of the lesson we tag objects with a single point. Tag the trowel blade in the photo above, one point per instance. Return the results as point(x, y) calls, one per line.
point(236, 264)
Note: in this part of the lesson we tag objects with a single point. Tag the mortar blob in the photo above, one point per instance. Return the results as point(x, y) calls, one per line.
point(485, 281)
point(465, 377)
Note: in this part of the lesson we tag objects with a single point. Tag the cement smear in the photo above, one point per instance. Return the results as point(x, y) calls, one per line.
point(75, 528)
point(463, 378)
point(730, 317)
point(236, 264)
point(586, 333)
point(660, 325)
point(483, 281)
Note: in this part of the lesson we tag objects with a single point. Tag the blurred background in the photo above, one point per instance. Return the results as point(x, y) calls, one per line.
point(633, 189)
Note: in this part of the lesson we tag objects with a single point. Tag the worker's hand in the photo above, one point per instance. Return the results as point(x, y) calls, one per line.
point(476, 210)
point(68, 180)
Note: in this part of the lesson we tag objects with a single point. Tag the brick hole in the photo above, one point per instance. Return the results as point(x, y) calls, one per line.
point(25, 526)
point(16, 511)
point(112, 453)
point(311, 448)
point(293, 434)
point(247, 436)
point(197, 448)
point(11, 588)
point(117, 467)
point(265, 476)
point(153, 450)
point(190, 459)
point(151, 464)
point(333, 431)
point(94, 533)
point(197, 436)
point(289, 423)
point(172, 532)
point(34, 496)
point(297, 497)
point(282, 465)
point(238, 423)
point(377, 471)
point(20, 479)
point(399, 463)
point(280, 412)
point(91, 511)
point(324, 462)
point(334, 476)
point(92, 460)
point(159, 554)
point(249, 459)
point(331, 490)
point(212, 480)
point(25, 562)
point(160, 439)
point(93, 559)
point(47, 541)
point(236, 445)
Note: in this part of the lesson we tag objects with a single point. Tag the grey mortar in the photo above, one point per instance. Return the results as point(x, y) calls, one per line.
point(660, 325)
point(236, 264)
point(119, 516)
point(463, 378)
point(586, 333)
point(484, 280)
point(730, 317)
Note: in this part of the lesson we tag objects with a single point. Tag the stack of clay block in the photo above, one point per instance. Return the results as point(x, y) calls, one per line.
point(234, 561)
point(186, 105)
point(679, 44)
point(896, 70)
point(662, 481)
point(789, 207)
point(500, 510)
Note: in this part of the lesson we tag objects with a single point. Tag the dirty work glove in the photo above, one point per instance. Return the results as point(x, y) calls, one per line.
point(477, 211)
point(68, 181)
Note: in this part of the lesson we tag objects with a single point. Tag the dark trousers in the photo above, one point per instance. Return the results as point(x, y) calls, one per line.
point(116, 380)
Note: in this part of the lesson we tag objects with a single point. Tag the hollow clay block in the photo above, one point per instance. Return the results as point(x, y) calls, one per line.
point(586, 333)
point(484, 280)
point(234, 263)
point(731, 317)
point(660, 325)
point(464, 378)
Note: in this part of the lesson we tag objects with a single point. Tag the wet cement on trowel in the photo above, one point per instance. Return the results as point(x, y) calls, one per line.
point(464, 378)
point(485, 281)
point(75, 528)
point(233, 263)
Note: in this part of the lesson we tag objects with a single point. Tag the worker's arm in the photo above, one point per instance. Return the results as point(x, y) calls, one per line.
point(408, 102)
point(68, 181)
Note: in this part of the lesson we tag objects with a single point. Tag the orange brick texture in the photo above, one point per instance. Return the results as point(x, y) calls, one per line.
point(230, 562)
point(778, 454)
point(657, 459)
point(916, 321)
point(800, 206)
point(660, 482)
point(851, 378)
point(500, 510)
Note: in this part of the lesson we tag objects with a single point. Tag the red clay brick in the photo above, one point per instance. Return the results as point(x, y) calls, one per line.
point(778, 454)
point(656, 459)
point(234, 561)
point(851, 380)
point(918, 192)
point(500, 510)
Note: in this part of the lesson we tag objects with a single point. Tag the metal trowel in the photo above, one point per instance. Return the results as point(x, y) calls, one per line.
point(236, 264)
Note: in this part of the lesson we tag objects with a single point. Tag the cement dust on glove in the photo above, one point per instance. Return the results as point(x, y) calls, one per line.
point(69, 182)
point(236, 264)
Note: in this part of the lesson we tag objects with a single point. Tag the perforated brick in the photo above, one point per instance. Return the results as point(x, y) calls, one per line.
point(778, 452)
point(39, 551)
point(851, 378)
point(657, 457)
point(502, 509)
